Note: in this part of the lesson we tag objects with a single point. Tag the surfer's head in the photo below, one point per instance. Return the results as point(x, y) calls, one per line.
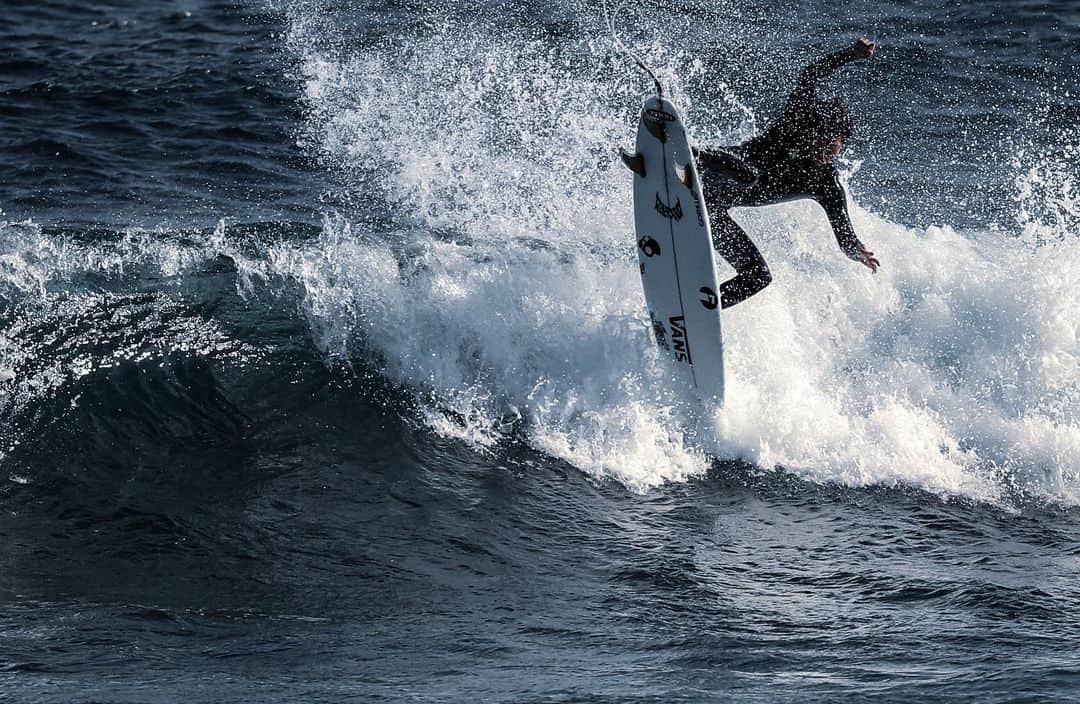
point(833, 127)
point(830, 150)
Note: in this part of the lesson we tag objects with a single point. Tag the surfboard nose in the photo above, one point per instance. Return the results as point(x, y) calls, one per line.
point(655, 118)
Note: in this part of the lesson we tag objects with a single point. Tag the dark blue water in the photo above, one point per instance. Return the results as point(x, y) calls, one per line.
point(325, 374)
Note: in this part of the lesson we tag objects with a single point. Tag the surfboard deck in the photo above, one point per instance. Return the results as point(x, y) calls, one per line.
point(675, 252)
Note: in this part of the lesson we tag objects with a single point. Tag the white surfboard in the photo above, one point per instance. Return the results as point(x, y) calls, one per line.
point(675, 251)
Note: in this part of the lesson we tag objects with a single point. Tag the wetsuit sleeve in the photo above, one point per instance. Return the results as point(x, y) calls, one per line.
point(832, 199)
point(804, 90)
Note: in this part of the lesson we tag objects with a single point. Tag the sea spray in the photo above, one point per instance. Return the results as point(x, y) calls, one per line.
point(510, 288)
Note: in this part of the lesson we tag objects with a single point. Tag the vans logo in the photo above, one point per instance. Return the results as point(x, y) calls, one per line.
point(671, 213)
point(679, 343)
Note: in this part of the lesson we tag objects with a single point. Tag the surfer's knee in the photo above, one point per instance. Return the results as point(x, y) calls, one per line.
point(723, 168)
point(758, 277)
point(766, 276)
point(750, 280)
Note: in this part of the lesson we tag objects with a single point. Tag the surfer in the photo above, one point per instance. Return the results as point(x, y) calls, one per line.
point(793, 159)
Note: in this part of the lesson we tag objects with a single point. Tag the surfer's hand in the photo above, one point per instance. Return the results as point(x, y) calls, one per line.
point(867, 259)
point(864, 49)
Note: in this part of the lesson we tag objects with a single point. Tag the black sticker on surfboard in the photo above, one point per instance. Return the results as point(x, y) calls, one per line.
point(669, 212)
point(649, 246)
point(659, 331)
point(657, 114)
point(708, 298)
point(698, 207)
point(655, 122)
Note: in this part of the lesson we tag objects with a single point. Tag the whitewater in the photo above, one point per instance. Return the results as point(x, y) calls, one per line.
point(502, 290)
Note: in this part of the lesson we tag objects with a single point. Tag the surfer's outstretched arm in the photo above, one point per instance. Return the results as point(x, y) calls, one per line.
point(804, 89)
point(832, 199)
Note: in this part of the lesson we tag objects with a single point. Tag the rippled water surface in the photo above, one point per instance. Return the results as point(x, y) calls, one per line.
point(325, 373)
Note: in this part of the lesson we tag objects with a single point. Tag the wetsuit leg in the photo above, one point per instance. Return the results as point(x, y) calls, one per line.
point(729, 181)
point(726, 166)
point(740, 252)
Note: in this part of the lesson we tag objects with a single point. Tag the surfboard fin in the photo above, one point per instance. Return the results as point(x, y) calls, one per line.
point(634, 162)
point(684, 174)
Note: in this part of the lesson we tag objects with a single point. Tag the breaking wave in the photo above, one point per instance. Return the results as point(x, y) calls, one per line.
point(505, 293)
point(483, 263)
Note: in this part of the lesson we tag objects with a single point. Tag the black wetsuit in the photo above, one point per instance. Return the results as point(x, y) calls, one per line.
point(786, 162)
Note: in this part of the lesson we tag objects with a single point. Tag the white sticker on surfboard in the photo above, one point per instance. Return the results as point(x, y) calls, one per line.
point(675, 251)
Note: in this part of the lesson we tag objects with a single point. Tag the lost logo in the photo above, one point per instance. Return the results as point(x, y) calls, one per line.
point(671, 213)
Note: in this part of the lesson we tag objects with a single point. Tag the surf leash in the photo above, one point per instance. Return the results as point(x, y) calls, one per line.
point(630, 54)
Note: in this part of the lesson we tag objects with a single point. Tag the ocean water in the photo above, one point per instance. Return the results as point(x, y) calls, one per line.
point(325, 373)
